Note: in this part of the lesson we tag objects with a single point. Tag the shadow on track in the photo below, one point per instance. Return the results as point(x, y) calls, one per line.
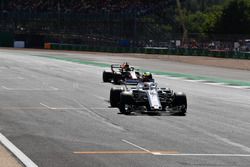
point(152, 113)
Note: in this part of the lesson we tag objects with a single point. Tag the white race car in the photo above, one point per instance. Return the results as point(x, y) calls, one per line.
point(147, 97)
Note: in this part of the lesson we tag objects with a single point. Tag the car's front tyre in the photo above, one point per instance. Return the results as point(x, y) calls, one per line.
point(115, 96)
point(126, 103)
point(180, 102)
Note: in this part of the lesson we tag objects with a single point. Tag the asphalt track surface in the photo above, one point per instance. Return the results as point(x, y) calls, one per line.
point(57, 113)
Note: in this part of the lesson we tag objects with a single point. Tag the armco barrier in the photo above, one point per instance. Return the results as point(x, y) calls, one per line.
point(162, 51)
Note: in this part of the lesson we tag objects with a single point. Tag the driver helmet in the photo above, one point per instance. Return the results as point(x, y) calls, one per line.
point(126, 66)
point(146, 77)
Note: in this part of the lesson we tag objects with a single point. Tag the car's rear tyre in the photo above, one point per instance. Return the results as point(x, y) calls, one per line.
point(180, 101)
point(115, 96)
point(126, 103)
point(117, 79)
point(107, 76)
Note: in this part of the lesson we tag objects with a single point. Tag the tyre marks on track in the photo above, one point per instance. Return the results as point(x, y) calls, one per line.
point(82, 109)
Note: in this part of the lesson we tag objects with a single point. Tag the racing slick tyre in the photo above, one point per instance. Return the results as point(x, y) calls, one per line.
point(126, 102)
point(107, 76)
point(180, 101)
point(115, 96)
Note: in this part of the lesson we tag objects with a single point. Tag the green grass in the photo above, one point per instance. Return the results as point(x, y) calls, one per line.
point(171, 74)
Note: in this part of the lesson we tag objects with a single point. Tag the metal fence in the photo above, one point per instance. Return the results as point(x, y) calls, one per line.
point(105, 29)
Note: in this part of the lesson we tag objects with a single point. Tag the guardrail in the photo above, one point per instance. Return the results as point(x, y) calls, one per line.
point(163, 51)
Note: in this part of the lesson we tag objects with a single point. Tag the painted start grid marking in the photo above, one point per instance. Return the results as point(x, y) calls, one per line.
point(206, 155)
point(158, 153)
point(154, 152)
point(207, 82)
point(175, 153)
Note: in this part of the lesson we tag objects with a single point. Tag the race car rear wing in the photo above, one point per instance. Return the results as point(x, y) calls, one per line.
point(115, 66)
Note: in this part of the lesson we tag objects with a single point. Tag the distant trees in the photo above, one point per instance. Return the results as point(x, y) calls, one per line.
point(205, 22)
point(221, 16)
point(202, 19)
point(182, 20)
point(198, 16)
point(235, 18)
point(200, 5)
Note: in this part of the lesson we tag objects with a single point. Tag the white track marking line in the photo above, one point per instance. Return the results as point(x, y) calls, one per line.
point(169, 77)
point(239, 87)
point(11, 89)
point(176, 78)
point(215, 83)
point(229, 86)
point(65, 108)
point(141, 148)
point(54, 88)
point(6, 88)
point(18, 153)
point(206, 155)
point(207, 82)
point(178, 154)
point(225, 140)
point(103, 108)
point(48, 106)
point(192, 80)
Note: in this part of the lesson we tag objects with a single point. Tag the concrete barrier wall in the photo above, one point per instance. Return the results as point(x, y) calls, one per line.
point(163, 51)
